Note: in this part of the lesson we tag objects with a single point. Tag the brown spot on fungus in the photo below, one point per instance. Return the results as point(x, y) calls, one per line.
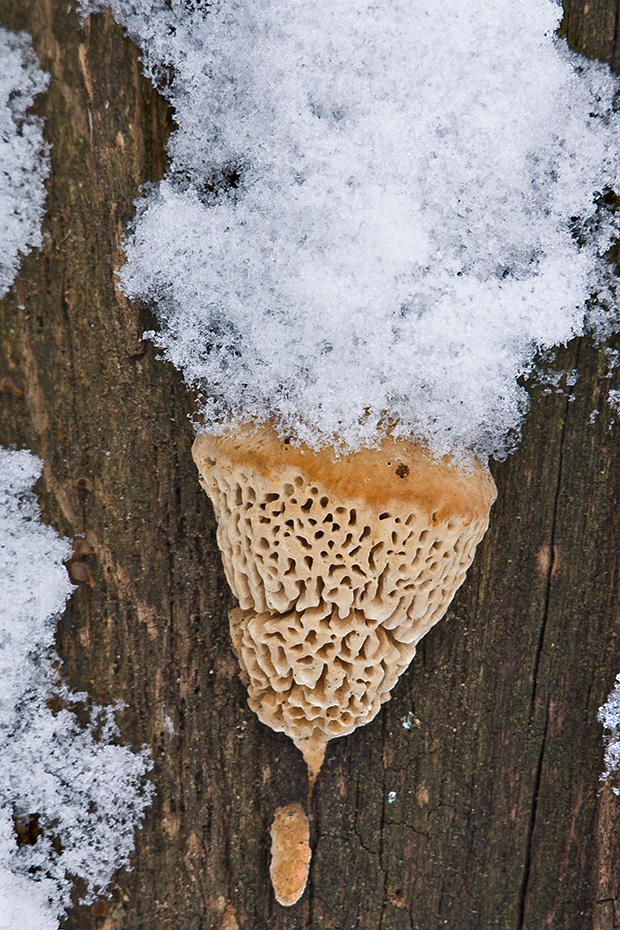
point(290, 853)
point(402, 470)
point(81, 573)
point(8, 386)
point(329, 618)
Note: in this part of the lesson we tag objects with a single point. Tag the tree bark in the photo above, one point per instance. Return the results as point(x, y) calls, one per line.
point(473, 800)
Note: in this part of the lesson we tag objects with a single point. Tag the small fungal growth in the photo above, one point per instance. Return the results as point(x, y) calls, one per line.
point(340, 566)
point(290, 853)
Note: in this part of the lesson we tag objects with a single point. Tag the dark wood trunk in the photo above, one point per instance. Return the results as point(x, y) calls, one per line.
point(487, 812)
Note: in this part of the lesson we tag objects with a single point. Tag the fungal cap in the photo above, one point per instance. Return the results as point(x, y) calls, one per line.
point(290, 853)
point(398, 472)
point(340, 566)
point(301, 530)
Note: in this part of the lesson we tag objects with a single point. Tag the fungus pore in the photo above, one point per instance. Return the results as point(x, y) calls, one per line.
point(340, 566)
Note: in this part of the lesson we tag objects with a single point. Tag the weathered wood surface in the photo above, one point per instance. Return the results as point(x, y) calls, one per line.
point(487, 812)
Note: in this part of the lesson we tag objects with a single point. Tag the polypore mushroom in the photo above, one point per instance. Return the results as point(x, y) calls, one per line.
point(340, 566)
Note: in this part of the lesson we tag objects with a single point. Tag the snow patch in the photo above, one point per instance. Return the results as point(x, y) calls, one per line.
point(609, 716)
point(70, 795)
point(24, 162)
point(375, 214)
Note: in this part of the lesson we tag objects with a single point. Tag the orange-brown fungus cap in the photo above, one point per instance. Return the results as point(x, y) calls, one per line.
point(340, 566)
point(398, 472)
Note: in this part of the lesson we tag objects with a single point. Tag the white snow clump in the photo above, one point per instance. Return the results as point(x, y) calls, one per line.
point(609, 716)
point(374, 214)
point(24, 163)
point(75, 793)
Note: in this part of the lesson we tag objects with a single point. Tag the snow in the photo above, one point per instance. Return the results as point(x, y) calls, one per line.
point(613, 400)
point(375, 215)
point(85, 792)
point(24, 164)
point(609, 716)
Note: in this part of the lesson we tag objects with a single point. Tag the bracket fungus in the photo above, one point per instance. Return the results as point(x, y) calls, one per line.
point(340, 566)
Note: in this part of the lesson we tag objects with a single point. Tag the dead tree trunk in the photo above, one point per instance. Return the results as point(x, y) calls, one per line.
point(472, 801)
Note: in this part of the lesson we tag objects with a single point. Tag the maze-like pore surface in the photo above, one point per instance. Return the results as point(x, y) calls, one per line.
point(317, 678)
point(335, 590)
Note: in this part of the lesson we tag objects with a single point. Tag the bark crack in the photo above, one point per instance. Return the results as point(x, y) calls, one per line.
point(525, 881)
point(530, 829)
point(384, 736)
point(552, 551)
